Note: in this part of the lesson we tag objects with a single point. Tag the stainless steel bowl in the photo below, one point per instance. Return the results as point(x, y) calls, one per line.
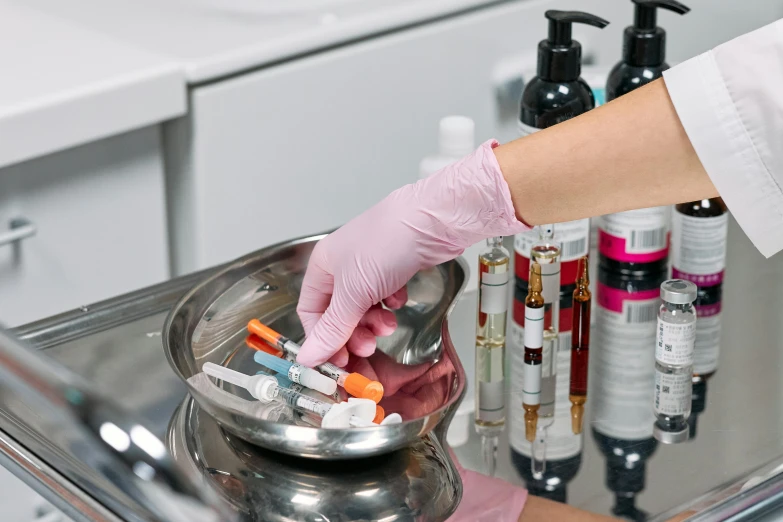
point(417, 364)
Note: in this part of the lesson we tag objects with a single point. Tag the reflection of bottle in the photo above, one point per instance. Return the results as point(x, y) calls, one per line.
point(698, 405)
point(628, 302)
point(563, 448)
point(491, 347)
point(623, 377)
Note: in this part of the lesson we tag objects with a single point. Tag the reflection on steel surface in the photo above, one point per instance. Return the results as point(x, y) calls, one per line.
point(104, 437)
point(417, 483)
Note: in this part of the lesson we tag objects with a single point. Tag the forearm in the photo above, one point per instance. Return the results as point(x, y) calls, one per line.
point(631, 153)
point(543, 510)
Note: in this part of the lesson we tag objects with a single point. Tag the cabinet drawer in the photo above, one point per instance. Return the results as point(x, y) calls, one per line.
point(100, 226)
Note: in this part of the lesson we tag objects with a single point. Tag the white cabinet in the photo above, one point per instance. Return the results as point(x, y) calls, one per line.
point(304, 146)
point(99, 213)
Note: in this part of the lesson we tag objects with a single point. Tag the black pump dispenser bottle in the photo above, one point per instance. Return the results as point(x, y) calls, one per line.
point(557, 93)
point(644, 49)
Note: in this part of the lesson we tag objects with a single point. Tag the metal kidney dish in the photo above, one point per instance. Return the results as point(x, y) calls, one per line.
point(417, 365)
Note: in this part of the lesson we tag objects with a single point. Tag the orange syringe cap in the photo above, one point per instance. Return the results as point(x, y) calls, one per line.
point(380, 414)
point(263, 331)
point(256, 343)
point(360, 386)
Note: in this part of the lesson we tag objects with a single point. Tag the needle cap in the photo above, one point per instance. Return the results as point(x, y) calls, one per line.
point(360, 386)
point(256, 343)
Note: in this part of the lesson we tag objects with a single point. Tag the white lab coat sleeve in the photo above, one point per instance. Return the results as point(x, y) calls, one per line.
point(730, 102)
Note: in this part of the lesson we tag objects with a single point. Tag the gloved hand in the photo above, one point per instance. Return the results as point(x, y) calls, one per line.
point(373, 256)
point(487, 499)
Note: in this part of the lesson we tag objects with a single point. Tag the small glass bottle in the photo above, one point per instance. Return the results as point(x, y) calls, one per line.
point(580, 346)
point(676, 336)
point(534, 347)
point(490, 414)
point(547, 253)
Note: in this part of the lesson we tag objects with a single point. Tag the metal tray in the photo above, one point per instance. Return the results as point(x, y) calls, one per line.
point(208, 325)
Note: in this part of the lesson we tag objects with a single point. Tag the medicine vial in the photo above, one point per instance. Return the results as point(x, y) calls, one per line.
point(580, 346)
point(490, 416)
point(516, 334)
point(534, 347)
point(547, 253)
point(674, 345)
point(676, 335)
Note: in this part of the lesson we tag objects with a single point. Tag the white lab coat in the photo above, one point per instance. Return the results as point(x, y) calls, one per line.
point(730, 101)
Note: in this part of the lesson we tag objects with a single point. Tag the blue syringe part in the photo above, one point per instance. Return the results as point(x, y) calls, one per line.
point(282, 380)
point(307, 377)
point(276, 364)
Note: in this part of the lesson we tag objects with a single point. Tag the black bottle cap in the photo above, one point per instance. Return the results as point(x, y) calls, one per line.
point(625, 477)
point(553, 494)
point(560, 56)
point(644, 43)
point(625, 506)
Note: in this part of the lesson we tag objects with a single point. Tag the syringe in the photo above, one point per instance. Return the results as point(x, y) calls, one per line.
point(275, 412)
point(297, 373)
point(355, 384)
point(255, 342)
point(353, 413)
point(285, 382)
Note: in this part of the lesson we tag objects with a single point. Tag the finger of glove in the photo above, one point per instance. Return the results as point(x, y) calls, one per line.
point(379, 321)
point(332, 330)
point(398, 299)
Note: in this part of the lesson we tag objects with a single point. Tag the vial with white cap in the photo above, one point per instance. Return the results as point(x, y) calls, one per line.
point(676, 336)
point(456, 139)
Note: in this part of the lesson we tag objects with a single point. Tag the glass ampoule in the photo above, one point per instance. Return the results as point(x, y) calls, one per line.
point(580, 346)
point(490, 414)
point(674, 346)
point(547, 253)
point(534, 347)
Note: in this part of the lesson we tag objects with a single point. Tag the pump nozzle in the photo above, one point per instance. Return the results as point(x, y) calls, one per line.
point(645, 42)
point(646, 14)
point(559, 56)
point(560, 23)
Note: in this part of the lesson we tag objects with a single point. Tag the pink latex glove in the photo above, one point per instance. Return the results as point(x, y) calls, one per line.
point(372, 257)
point(487, 499)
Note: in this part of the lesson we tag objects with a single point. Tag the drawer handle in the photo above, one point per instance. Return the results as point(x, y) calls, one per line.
point(20, 228)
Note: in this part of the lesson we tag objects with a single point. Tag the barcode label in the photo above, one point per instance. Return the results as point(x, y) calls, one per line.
point(648, 239)
point(573, 237)
point(575, 249)
point(641, 312)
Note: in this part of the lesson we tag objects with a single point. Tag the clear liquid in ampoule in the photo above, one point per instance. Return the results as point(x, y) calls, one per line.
point(490, 414)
